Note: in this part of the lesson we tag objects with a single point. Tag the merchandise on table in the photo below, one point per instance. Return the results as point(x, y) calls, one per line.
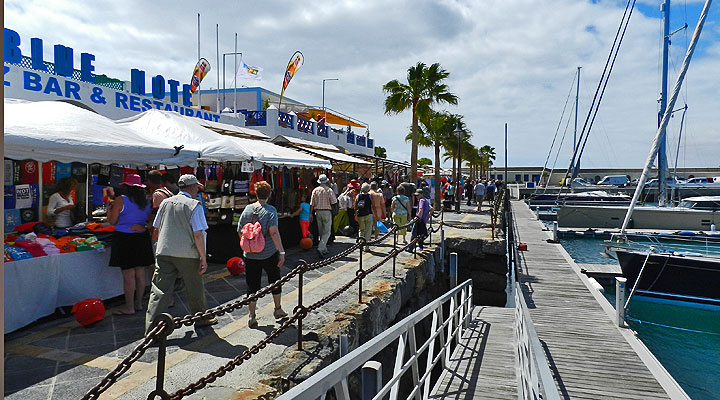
point(37, 239)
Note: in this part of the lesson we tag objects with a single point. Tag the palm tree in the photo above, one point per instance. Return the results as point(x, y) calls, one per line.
point(450, 142)
point(487, 155)
point(424, 88)
point(435, 129)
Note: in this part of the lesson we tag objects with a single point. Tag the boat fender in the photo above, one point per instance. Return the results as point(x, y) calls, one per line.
point(686, 233)
point(597, 286)
point(664, 234)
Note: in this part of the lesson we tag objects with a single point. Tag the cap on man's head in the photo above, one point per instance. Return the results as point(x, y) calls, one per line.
point(187, 180)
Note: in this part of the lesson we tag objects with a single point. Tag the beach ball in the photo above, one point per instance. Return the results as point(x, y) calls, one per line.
point(306, 243)
point(88, 311)
point(236, 266)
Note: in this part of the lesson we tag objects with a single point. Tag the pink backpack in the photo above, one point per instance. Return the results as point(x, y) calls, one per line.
point(252, 240)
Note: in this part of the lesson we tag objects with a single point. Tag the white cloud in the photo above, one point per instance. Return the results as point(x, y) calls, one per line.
point(510, 61)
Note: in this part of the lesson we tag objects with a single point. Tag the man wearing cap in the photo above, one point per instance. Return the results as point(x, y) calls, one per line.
point(321, 201)
point(180, 232)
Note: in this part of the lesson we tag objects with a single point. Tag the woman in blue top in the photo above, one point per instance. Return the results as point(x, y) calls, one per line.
point(304, 212)
point(131, 248)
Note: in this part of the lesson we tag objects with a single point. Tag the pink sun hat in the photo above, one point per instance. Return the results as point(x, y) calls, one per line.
point(133, 180)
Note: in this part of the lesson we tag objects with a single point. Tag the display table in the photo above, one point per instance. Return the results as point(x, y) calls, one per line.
point(35, 287)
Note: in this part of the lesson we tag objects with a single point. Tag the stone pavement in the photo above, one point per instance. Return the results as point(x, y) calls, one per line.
point(59, 359)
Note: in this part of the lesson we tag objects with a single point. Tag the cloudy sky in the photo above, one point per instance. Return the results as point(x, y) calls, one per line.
point(509, 61)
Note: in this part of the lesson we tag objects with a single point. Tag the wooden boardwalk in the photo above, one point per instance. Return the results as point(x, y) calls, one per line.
point(587, 353)
point(589, 357)
point(483, 365)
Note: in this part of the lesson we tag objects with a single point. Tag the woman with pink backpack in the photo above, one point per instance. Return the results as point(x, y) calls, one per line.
point(262, 247)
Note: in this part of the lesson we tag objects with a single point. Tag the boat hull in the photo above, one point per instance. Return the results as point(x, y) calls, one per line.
point(695, 279)
point(642, 218)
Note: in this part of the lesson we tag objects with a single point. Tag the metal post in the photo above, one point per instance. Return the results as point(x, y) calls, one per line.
point(300, 304)
point(442, 248)
point(360, 271)
point(217, 67)
point(394, 250)
point(505, 177)
point(344, 346)
point(371, 379)
point(555, 231)
point(235, 80)
point(453, 269)
point(198, 88)
point(620, 300)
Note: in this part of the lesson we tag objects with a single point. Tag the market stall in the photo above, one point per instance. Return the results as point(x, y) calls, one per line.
point(228, 167)
point(46, 268)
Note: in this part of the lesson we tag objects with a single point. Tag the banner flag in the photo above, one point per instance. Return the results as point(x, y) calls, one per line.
point(296, 61)
point(201, 69)
point(249, 72)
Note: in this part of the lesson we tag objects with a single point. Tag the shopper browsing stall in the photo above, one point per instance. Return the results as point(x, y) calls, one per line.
point(268, 255)
point(61, 202)
point(131, 248)
point(303, 211)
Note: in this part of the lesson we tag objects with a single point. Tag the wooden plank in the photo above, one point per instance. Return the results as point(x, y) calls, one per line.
point(588, 355)
point(601, 269)
point(483, 365)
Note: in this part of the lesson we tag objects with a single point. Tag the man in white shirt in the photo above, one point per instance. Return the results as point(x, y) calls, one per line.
point(479, 194)
point(180, 233)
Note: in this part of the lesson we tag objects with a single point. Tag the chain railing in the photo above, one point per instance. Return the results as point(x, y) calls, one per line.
point(165, 324)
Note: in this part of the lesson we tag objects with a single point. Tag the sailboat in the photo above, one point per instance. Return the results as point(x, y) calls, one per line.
point(687, 215)
point(661, 270)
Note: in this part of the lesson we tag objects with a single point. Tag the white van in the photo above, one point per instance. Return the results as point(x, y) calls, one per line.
point(616, 180)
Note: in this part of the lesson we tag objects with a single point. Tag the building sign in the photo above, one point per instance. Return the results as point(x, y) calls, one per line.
point(31, 78)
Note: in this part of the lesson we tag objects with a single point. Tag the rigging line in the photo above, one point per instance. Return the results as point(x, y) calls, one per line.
point(562, 140)
point(602, 77)
point(606, 82)
point(562, 116)
point(677, 150)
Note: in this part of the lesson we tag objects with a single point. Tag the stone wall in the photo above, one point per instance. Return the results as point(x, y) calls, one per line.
point(419, 281)
point(483, 260)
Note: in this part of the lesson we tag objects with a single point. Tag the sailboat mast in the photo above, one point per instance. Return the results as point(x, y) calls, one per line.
point(662, 152)
point(660, 135)
point(577, 97)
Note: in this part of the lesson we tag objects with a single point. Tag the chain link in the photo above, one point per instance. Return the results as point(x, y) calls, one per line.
point(299, 312)
point(126, 363)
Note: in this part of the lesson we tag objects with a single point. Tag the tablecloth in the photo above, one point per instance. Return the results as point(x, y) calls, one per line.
point(35, 287)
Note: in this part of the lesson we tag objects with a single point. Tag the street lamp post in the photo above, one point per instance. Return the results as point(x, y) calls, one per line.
point(459, 133)
point(324, 110)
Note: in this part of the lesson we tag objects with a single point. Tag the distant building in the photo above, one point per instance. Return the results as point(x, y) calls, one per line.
point(294, 119)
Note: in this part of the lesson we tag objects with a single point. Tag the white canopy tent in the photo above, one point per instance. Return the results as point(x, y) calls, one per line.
point(176, 130)
point(60, 131)
point(272, 154)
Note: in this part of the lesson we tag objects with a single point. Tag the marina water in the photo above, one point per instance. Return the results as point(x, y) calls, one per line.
point(685, 338)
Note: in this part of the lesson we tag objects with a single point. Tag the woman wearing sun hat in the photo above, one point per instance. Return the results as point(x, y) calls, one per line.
point(131, 248)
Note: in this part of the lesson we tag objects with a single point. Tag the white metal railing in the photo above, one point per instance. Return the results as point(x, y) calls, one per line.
point(531, 363)
point(446, 329)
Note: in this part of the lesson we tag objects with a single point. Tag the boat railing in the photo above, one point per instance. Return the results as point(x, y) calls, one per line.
point(705, 246)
